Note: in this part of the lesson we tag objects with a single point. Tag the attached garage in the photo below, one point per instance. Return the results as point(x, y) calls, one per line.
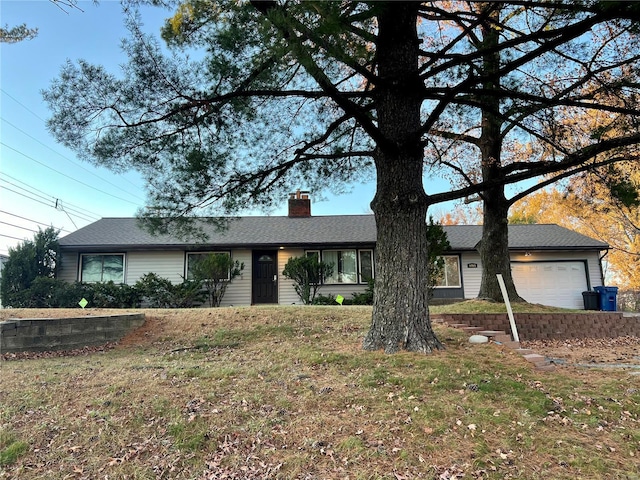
point(557, 284)
point(550, 265)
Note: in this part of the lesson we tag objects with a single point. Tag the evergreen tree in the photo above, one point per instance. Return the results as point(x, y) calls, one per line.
point(28, 261)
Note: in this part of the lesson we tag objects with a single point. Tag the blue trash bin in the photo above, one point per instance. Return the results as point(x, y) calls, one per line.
point(608, 298)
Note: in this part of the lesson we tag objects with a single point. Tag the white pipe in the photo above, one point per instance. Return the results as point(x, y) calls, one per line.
point(505, 295)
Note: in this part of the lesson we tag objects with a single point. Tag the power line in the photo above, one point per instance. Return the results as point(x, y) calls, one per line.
point(44, 193)
point(57, 203)
point(31, 220)
point(67, 176)
point(22, 105)
point(75, 163)
point(18, 226)
point(9, 236)
point(45, 203)
point(63, 156)
point(22, 188)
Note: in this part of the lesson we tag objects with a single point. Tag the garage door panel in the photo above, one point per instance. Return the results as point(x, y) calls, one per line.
point(557, 284)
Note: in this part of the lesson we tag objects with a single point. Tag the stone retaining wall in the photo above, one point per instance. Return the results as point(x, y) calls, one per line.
point(43, 334)
point(545, 326)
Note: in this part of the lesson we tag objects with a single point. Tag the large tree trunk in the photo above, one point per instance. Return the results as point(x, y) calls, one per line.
point(494, 246)
point(400, 313)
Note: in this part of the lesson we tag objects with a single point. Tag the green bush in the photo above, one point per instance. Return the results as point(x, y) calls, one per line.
point(307, 274)
point(366, 297)
point(28, 262)
point(112, 295)
point(330, 300)
point(215, 272)
point(159, 292)
point(155, 291)
point(188, 294)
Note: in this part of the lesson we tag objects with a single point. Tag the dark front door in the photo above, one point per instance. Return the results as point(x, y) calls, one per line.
point(265, 276)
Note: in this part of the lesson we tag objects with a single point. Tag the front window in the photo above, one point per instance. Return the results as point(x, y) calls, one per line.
point(102, 268)
point(450, 276)
point(344, 266)
point(366, 266)
point(194, 258)
point(349, 265)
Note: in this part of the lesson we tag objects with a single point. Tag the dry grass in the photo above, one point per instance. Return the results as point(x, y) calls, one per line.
point(483, 306)
point(287, 392)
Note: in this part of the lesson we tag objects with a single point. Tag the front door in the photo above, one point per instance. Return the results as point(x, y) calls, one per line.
point(265, 276)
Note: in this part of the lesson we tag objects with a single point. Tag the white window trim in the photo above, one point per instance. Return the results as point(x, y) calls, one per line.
point(186, 262)
point(124, 264)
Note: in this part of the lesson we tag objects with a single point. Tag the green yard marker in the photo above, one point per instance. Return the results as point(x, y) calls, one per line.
point(83, 303)
point(339, 299)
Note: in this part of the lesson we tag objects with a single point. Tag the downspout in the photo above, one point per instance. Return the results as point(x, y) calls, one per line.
point(600, 258)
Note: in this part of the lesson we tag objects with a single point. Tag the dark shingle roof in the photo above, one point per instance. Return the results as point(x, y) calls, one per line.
point(242, 232)
point(312, 231)
point(522, 237)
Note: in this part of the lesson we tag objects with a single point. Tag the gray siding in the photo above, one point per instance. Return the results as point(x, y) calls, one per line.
point(169, 265)
point(239, 292)
point(69, 267)
point(286, 293)
point(471, 277)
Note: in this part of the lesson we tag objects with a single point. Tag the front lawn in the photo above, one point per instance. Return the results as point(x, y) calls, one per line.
point(287, 392)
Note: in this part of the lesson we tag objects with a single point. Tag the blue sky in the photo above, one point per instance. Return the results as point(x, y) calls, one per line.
point(43, 183)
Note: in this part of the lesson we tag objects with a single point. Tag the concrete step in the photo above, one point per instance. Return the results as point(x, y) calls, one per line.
point(539, 362)
point(491, 333)
point(536, 359)
point(471, 329)
point(523, 351)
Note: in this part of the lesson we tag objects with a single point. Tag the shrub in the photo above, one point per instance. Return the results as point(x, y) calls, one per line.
point(325, 300)
point(155, 291)
point(366, 297)
point(215, 272)
point(437, 245)
point(158, 292)
point(112, 295)
point(187, 294)
point(307, 274)
point(29, 261)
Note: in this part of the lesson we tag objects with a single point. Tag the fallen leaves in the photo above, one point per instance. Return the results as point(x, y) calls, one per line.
point(589, 350)
point(270, 410)
point(84, 351)
point(237, 460)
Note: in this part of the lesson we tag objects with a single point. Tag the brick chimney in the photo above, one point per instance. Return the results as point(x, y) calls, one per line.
point(299, 204)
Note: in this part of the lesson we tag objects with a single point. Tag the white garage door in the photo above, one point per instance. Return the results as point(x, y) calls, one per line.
point(558, 284)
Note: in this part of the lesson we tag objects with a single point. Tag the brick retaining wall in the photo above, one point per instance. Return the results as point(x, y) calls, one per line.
point(43, 334)
point(544, 326)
